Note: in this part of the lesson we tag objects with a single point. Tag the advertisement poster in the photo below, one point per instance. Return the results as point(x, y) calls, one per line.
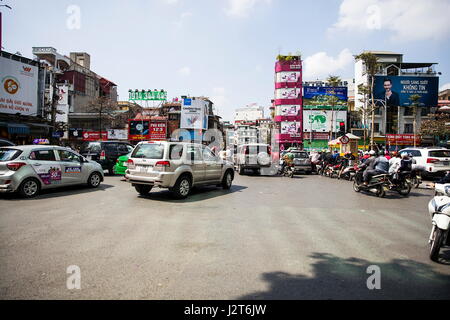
point(288, 93)
point(396, 90)
point(116, 134)
point(402, 139)
point(18, 87)
point(290, 127)
point(63, 104)
point(48, 173)
point(322, 93)
point(75, 133)
point(194, 114)
point(290, 77)
point(157, 131)
point(288, 110)
point(138, 129)
point(320, 121)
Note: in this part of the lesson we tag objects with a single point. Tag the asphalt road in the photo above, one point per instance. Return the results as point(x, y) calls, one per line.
point(267, 238)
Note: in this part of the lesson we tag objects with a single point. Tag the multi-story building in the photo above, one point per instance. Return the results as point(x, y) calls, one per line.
point(249, 113)
point(288, 102)
point(394, 113)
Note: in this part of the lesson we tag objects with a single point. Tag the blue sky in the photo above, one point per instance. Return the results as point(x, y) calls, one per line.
point(226, 49)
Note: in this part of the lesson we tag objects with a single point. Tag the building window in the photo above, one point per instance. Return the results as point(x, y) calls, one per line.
point(409, 128)
point(377, 127)
point(408, 111)
point(425, 111)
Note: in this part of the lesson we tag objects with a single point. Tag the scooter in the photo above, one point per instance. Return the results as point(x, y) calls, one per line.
point(375, 185)
point(439, 210)
point(349, 173)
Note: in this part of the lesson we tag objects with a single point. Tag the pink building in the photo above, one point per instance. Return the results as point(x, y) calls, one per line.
point(288, 101)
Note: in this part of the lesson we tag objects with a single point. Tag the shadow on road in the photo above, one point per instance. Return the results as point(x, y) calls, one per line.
point(197, 194)
point(57, 192)
point(337, 278)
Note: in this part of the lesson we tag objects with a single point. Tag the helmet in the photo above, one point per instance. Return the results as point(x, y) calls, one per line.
point(366, 153)
point(404, 155)
point(372, 152)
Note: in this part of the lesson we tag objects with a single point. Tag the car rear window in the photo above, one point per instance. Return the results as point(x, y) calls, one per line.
point(440, 153)
point(302, 155)
point(9, 154)
point(176, 152)
point(91, 147)
point(148, 151)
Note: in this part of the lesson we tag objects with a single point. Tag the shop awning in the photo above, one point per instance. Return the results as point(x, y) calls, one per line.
point(17, 128)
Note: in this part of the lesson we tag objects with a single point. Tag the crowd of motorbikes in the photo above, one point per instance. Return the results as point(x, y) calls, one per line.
point(349, 168)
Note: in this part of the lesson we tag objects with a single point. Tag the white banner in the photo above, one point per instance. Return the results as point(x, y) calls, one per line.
point(320, 120)
point(288, 93)
point(116, 134)
point(288, 110)
point(194, 114)
point(63, 92)
point(291, 76)
point(18, 88)
point(290, 127)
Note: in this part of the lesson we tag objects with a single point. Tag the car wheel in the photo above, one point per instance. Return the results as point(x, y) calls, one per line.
point(29, 188)
point(182, 187)
point(111, 171)
point(94, 180)
point(143, 189)
point(227, 180)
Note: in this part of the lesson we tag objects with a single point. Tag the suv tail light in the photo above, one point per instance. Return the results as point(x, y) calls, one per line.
point(103, 155)
point(162, 165)
point(269, 150)
point(432, 160)
point(15, 166)
point(130, 164)
point(247, 150)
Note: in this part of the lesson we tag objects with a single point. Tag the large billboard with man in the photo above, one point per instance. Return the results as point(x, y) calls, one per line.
point(397, 90)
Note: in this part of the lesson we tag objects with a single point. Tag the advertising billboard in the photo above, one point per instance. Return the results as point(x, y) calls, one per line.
point(290, 77)
point(138, 129)
point(320, 121)
point(288, 93)
point(322, 93)
point(293, 128)
point(397, 90)
point(18, 87)
point(117, 134)
point(288, 110)
point(94, 135)
point(194, 114)
point(158, 131)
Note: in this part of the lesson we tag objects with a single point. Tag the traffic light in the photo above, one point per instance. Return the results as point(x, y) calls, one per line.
point(342, 127)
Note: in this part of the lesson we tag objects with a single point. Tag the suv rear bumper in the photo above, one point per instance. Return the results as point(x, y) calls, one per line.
point(162, 180)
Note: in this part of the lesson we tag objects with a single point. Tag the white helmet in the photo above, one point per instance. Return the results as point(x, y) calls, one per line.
point(372, 152)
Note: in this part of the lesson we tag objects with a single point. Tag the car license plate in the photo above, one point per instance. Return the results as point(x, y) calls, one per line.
point(446, 163)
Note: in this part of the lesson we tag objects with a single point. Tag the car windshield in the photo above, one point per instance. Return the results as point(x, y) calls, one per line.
point(440, 153)
point(91, 146)
point(149, 151)
point(9, 154)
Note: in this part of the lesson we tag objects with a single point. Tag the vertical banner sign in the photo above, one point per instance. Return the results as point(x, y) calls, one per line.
point(157, 131)
point(18, 87)
point(194, 114)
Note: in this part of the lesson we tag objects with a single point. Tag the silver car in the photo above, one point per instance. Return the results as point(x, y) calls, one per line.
point(28, 169)
point(178, 166)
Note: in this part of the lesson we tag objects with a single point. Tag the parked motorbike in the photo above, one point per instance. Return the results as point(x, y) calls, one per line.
point(349, 173)
point(439, 210)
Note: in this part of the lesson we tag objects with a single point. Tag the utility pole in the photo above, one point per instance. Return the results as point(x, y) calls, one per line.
point(6, 6)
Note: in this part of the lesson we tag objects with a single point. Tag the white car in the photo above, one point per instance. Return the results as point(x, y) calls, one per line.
point(434, 160)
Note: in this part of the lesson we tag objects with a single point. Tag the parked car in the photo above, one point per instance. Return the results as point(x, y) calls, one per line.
point(28, 169)
point(105, 152)
point(178, 166)
point(302, 161)
point(121, 164)
point(6, 143)
point(253, 156)
point(434, 160)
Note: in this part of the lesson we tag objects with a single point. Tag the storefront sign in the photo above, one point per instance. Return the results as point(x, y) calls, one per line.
point(117, 134)
point(18, 87)
point(94, 136)
point(402, 139)
point(157, 131)
point(75, 133)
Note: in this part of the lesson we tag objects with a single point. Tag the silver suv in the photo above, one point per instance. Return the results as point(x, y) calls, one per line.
point(178, 166)
point(28, 169)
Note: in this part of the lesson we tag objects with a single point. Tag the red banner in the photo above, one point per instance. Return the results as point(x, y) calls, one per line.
point(316, 136)
point(94, 136)
point(402, 139)
point(158, 131)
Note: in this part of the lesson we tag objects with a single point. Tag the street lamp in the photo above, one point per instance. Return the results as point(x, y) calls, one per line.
point(2, 5)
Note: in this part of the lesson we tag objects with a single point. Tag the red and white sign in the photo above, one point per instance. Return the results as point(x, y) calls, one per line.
point(402, 139)
point(344, 140)
point(316, 136)
point(94, 136)
point(158, 131)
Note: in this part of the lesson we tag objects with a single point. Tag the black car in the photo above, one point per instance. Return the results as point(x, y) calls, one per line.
point(105, 152)
point(6, 143)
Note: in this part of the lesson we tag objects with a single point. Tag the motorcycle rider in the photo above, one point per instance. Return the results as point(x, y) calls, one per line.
point(381, 166)
point(367, 165)
point(346, 161)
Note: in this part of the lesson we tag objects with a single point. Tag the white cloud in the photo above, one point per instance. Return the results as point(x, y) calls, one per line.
point(402, 21)
point(241, 8)
point(444, 87)
point(185, 71)
point(219, 99)
point(171, 2)
point(182, 19)
point(320, 65)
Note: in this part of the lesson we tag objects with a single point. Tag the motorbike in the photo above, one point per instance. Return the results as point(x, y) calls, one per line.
point(415, 179)
point(381, 183)
point(439, 210)
point(288, 171)
point(349, 173)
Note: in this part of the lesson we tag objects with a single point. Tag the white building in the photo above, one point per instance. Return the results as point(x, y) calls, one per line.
point(250, 113)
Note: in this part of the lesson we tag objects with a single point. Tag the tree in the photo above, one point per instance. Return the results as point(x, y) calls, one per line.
point(437, 126)
point(415, 102)
point(365, 92)
point(371, 63)
point(334, 81)
point(105, 108)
